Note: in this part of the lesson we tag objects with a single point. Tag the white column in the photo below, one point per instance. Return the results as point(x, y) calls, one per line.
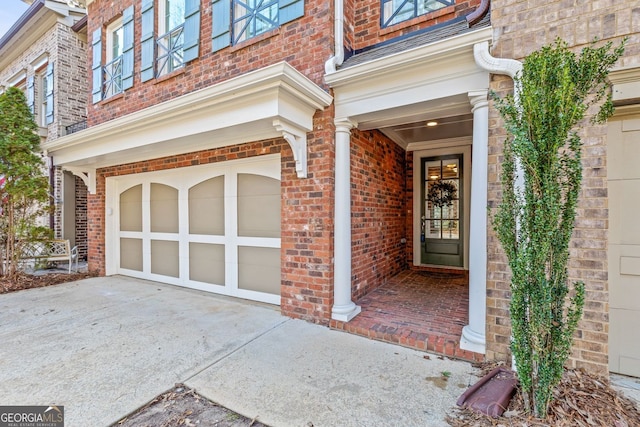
point(473, 335)
point(343, 308)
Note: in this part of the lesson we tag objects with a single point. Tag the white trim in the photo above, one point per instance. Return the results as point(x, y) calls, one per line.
point(626, 84)
point(182, 179)
point(344, 309)
point(441, 148)
point(17, 78)
point(391, 64)
point(111, 28)
point(249, 107)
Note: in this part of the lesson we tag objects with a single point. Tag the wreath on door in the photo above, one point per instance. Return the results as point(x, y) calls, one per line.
point(442, 193)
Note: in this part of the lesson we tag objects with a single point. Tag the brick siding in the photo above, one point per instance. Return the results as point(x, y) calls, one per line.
point(305, 43)
point(522, 27)
point(378, 215)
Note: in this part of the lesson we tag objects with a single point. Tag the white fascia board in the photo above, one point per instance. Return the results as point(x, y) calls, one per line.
point(238, 110)
point(626, 84)
point(429, 53)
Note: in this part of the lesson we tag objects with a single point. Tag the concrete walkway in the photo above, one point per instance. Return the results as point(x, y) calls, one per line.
point(103, 347)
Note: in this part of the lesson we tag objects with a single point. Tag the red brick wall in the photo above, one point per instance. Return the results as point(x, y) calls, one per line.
point(378, 212)
point(81, 217)
point(305, 43)
point(367, 31)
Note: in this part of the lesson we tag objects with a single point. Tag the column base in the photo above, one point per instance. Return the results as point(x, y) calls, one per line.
point(345, 313)
point(472, 341)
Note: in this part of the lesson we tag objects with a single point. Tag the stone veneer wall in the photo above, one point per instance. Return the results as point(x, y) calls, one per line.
point(520, 28)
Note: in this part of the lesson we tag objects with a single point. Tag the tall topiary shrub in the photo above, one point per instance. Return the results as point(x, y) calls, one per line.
point(24, 192)
point(534, 221)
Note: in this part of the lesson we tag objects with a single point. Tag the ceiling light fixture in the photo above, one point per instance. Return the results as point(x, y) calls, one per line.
point(432, 124)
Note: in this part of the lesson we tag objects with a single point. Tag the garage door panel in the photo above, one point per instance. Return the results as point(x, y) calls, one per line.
point(206, 207)
point(131, 254)
point(165, 258)
point(624, 245)
point(258, 206)
point(624, 202)
point(131, 209)
point(164, 208)
point(624, 262)
point(625, 353)
point(259, 269)
point(207, 263)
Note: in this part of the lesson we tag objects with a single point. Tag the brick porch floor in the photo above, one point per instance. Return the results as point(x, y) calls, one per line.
point(425, 310)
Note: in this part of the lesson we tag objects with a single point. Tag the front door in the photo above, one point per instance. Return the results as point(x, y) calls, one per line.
point(441, 234)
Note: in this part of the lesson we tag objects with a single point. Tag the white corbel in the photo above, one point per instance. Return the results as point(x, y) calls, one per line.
point(87, 175)
point(297, 139)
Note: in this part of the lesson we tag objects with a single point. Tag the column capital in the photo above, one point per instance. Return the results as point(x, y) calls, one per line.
point(478, 99)
point(344, 124)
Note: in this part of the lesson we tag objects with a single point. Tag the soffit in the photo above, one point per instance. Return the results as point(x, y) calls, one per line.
point(275, 101)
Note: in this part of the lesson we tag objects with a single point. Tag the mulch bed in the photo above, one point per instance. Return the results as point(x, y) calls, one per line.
point(581, 399)
point(29, 281)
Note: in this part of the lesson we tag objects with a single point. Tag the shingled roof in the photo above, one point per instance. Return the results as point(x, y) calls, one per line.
point(430, 35)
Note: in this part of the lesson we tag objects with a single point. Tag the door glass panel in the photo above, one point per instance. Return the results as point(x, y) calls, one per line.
point(164, 208)
point(206, 263)
point(259, 269)
point(165, 258)
point(258, 206)
point(131, 209)
point(206, 207)
point(131, 254)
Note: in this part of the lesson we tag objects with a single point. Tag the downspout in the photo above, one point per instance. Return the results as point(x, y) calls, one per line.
point(504, 66)
point(338, 30)
point(511, 68)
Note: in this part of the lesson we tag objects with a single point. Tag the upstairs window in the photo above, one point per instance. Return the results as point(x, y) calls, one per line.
point(396, 11)
point(171, 40)
point(44, 116)
point(253, 17)
point(235, 21)
point(115, 74)
point(113, 67)
point(178, 40)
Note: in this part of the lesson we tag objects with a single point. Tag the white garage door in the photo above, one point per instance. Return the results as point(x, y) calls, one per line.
point(624, 245)
point(211, 227)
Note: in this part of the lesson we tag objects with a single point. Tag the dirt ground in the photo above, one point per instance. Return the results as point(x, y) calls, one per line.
point(580, 399)
point(182, 406)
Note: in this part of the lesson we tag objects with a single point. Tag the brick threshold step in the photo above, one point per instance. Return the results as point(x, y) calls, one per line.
point(433, 343)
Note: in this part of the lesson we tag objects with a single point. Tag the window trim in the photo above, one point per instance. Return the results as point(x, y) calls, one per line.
point(112, 67)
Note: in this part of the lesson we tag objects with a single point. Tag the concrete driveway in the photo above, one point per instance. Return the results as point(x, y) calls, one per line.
point(103, 347)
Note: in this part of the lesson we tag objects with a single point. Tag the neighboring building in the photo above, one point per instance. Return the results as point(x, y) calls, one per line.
point(44, 53)
point(282, 151)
